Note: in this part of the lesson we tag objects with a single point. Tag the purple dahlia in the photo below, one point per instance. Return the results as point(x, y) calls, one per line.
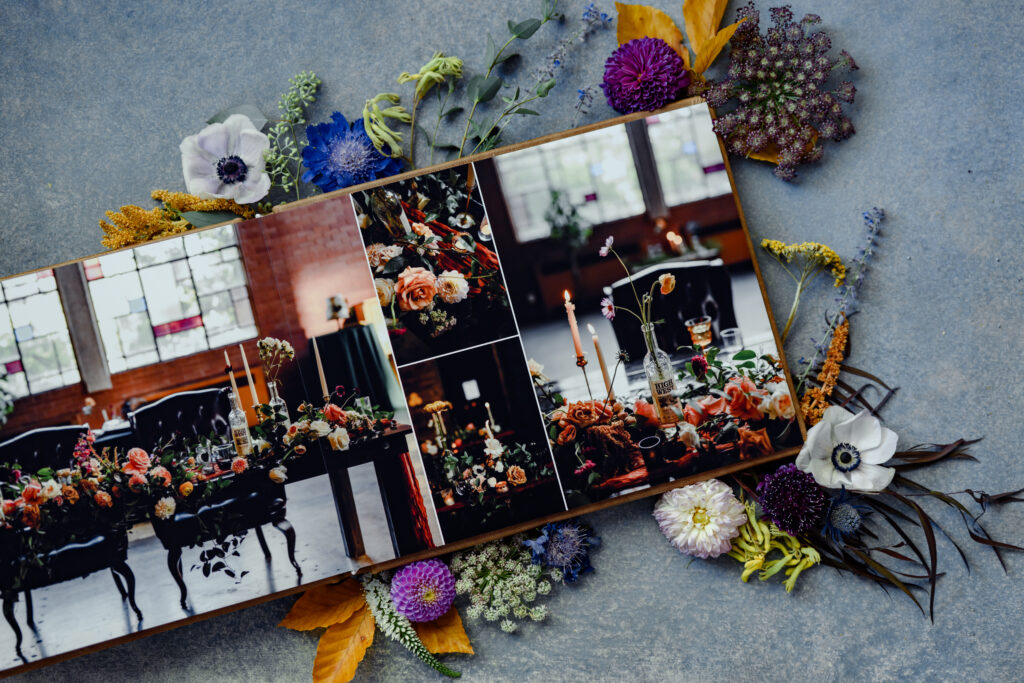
point(792, 500)
point(423, 591)
point(642, 75)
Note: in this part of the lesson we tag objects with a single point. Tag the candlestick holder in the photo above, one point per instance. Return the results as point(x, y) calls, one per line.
point(581, 363)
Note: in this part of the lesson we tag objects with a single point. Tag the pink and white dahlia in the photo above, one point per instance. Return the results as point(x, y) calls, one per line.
point(701, 519)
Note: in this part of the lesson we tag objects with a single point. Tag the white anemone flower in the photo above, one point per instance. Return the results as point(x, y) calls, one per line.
point(225, 161)
point(847, 450)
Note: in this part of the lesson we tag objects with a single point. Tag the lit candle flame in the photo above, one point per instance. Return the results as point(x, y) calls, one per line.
point(591, 328)
point(567, 297)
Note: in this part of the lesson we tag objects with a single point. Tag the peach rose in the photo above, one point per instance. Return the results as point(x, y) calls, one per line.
point(501, 487)
point(90, 485)
point(516, 475)
point(136, 482)
point(32, 493)
point(9, 507)
point(103, 499)
point(300, 450)
point(693, 415)
point(646, 411)
point(161, 475)
point(711, 405)
point(239, 465)
point(30, 515)
point(185, 489)
point(333, 413)
point(70, 494)
point(744, 399)
point(779, 406)
point(667, 282)
point(567, 435)
point(415, 289)
point(138, 462)
point(754, 443)
point(587, 413)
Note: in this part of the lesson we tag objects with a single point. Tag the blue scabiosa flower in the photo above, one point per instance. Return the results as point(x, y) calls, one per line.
point(340, 155)
point(845, 517)
point(564, 546)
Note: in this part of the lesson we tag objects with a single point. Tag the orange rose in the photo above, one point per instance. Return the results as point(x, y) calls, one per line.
point(713, 406)
point(239, 465)
point(9, 507)
point(30, 515)
point(103, 499)
point(693, 415)
point(32, 493)
point(415, 289)
point(185, 489)
point(516, 475)
point(70, 494)
point(138, 462)
point(667, 282)
point(161, 475)
point(754, 443)
point(587, 413)
point(646, 410)
point(568, 435)
point(136, 482)
point(744, 399)
point(90, 485)
point(300, 450)
point(333, 413)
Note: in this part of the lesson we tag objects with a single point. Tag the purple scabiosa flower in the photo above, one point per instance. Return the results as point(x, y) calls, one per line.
point(340, 155)
point(792, 500)
point(423, 591)
point(642, 75)
point(564, 546)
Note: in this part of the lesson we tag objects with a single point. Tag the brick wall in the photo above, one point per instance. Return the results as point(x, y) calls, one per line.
point(294, 261)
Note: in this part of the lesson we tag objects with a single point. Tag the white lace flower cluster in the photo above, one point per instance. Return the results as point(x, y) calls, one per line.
point(501, 581)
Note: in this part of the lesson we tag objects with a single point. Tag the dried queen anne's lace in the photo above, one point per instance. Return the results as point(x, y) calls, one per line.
point(780, 82)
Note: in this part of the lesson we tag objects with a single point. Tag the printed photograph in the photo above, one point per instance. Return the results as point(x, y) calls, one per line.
point(632, 279)
point(482, 439)
point(434, 264)
point(195, 423)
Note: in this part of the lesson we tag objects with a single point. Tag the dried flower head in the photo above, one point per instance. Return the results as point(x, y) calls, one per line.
point(780, 83)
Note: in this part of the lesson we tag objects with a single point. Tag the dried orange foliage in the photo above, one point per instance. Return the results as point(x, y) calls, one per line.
point(343, 646)
point(325, 606)
point(641, 21)
point(445, 634)
point(702, 18)
point(815, 399)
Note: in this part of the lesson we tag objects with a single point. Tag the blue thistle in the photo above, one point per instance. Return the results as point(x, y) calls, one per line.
point(564, 546)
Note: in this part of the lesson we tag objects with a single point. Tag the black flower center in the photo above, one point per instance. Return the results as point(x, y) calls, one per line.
point(232, 170)
point(845, 457)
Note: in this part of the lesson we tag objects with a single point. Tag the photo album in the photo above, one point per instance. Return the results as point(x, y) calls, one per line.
point(383, 373)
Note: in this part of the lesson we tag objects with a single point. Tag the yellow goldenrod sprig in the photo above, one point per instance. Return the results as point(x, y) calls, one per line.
point(815, 257)
point(132, 225)
point(815, 400)
point(758, 539)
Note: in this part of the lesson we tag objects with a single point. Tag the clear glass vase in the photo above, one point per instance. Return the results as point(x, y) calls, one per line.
point(662, 379)
point(277, 405)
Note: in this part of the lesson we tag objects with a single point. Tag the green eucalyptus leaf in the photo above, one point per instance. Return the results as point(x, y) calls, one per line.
point(492, 50)
point(204, 219)
point(524, 29)
point(526, 112)
point(745, 354)
point(505, 56)
point(544, 88)
point(250, 110)
point(453, 112)
point(486, 89)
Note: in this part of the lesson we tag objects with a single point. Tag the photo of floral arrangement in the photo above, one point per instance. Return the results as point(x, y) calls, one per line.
point(434, 265)
point(482, 440)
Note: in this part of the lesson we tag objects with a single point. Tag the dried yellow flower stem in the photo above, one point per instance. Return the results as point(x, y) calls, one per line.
point(815, 400)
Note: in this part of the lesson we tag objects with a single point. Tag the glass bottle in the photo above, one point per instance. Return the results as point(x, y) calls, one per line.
point(277, 405)
point(239, 428)
point(662, 379)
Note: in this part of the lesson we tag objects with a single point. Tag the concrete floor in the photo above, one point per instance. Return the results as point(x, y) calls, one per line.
point(95, 103)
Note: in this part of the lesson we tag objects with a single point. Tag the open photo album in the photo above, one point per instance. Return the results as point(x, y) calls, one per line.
point(383, 373)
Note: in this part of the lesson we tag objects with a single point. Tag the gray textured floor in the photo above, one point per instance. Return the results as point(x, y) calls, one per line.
point(94, 105)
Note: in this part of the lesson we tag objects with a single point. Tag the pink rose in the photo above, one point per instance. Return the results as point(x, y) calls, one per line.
point(713, 406)
point(138, 462)
point(333, 413)
point(415, 289)
point(693, 415)
point(744, 399)
point(161, 475)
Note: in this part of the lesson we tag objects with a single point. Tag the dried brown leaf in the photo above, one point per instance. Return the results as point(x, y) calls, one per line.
point(641, 21)
point(343, 646)
point(445, 634)
point(325, 606)
point(706, 54)
point(702, 19)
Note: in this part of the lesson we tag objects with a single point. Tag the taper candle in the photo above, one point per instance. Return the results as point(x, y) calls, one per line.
point(248, 376)
point(490, 415)
point(231, 376)
point(570, 311)
point(320, 371)
point(600, 361)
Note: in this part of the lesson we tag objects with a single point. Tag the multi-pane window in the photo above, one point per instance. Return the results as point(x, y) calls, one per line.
point(35, 347)
point(170, 299)
point(687, 155)
point(595, 170)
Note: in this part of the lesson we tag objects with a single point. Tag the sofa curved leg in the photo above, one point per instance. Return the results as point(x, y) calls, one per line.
point(285, 527)
point(174, 564)
point(117, 582)
point(263, 542)
point(124, 570)
point(9, 615)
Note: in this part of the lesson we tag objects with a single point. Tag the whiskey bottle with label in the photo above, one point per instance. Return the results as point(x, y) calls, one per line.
point(239, 425)
point(662, 379)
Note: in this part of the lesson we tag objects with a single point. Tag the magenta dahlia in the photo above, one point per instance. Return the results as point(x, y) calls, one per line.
point(423, 591)
point(642, 75)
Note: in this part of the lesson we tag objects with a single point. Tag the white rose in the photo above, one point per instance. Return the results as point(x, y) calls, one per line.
point(430, 448)
point(493, 448)
point(320, 428)
point(385, 291)
point(279, 475)
point(499, 466)
point(165, 507)
point(491, 482)
point(452, 286)
point(339, 439)
point(51, 490)
point(688, 435)
point(261, 445)
point(780, 403)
